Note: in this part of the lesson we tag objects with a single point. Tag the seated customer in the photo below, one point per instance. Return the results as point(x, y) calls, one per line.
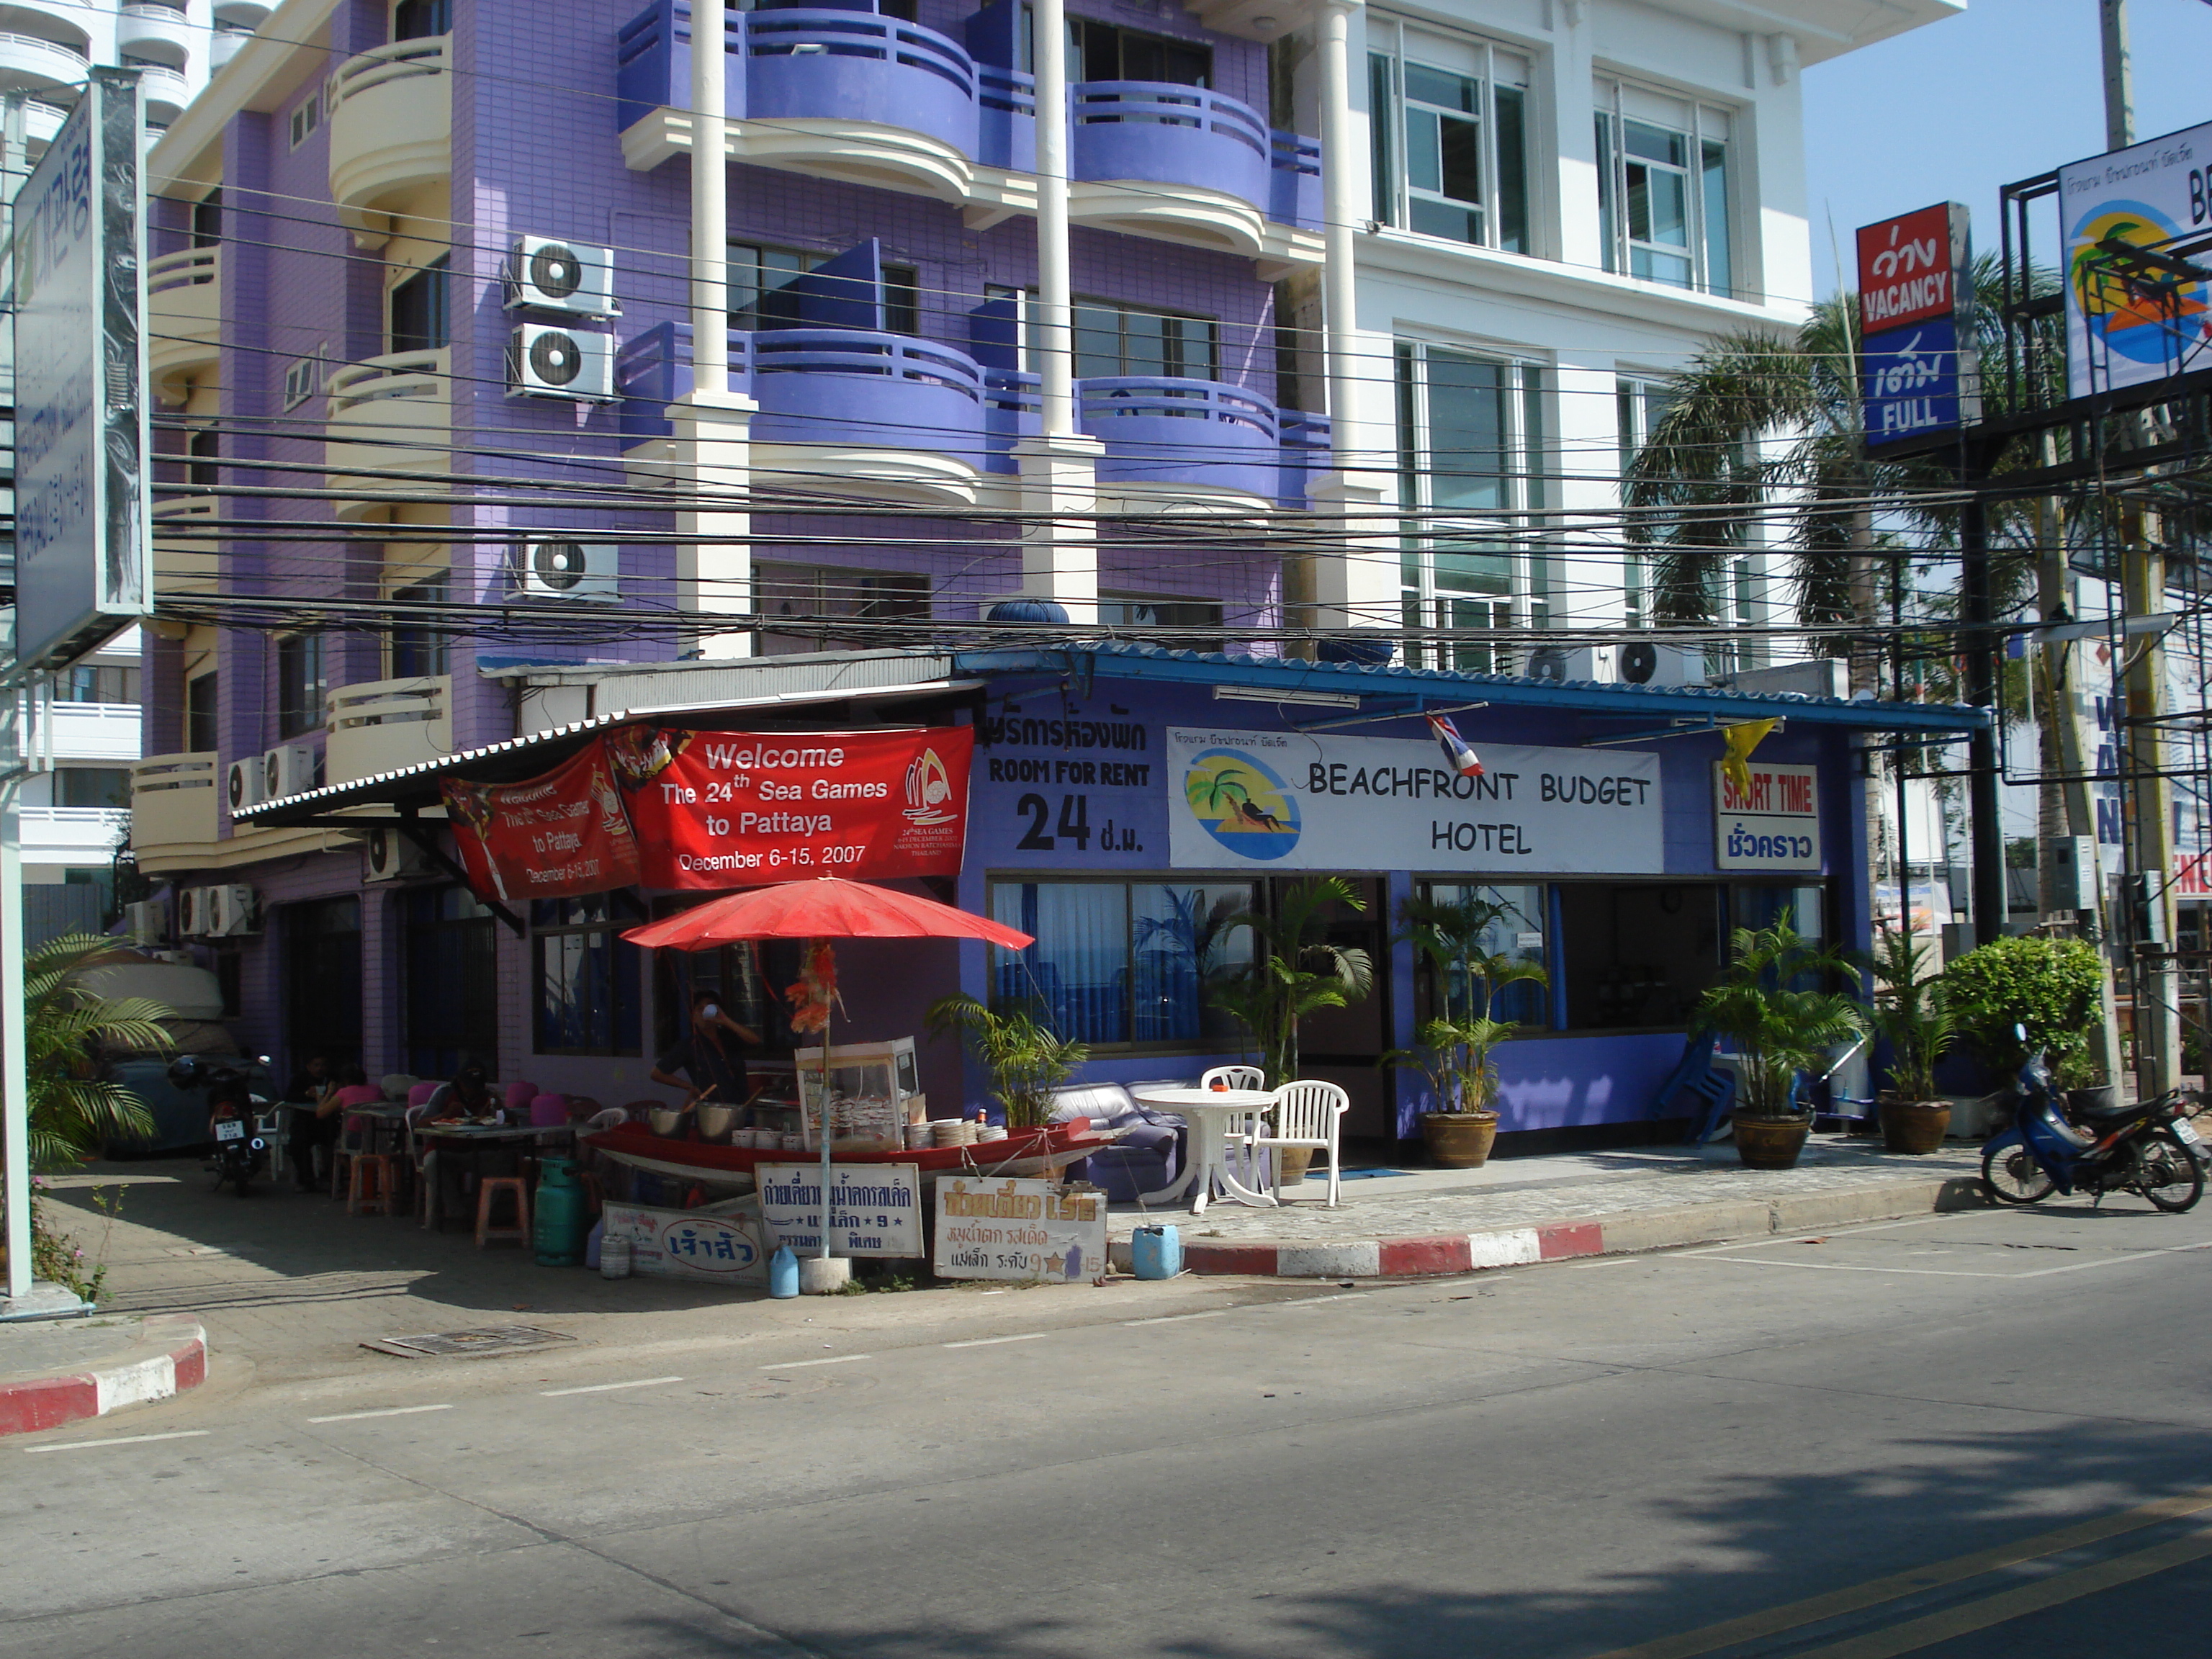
point(469, 1095)
point(321, 1127)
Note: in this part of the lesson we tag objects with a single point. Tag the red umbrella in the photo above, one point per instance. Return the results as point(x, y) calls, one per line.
point(826, 907)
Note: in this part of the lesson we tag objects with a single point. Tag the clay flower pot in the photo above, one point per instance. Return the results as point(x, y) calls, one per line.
point(1459, 1140)
point(1771, 1143)
point(1914, 1127)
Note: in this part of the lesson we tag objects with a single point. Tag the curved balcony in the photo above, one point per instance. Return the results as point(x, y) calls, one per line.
point(832, 93)
point(30, 64)
point(184, 305)
point(245, 13)
point(1168, 442)
point(842, 411)
point(42, 122)
point(160, 34)
point(166, 93)
point(173, 808)
point(387, 724)
point(223, 45)
point(390, 418)
point(1128, 138)
point(391, 131)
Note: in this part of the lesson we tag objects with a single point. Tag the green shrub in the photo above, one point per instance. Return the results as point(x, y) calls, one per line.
point(2055, 988)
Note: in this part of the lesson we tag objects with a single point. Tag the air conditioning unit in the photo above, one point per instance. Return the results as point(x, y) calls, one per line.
point(147, 920)
point(557, 568)
point(230, 910)
point(244, 787)
point(288, 770)
point(545, 273)
point(192, 912)
point(1647, 661)
point(546, 360)
point(392, 857)
point(1596, 664)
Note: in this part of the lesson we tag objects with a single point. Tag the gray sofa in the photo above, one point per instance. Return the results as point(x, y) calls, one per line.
point(1144, 1160)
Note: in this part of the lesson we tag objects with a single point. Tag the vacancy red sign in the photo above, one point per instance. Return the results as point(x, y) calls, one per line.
point(1910, 267)
point(734, 809)
point(561, 834)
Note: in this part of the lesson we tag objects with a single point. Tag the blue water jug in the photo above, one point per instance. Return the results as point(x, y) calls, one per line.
point(1156, 1251)
point(783, 1273)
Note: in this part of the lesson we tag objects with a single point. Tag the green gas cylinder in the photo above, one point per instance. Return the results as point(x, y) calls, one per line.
point(563, 1217)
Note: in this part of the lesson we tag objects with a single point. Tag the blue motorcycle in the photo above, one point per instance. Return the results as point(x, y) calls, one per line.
point(2150, 1148)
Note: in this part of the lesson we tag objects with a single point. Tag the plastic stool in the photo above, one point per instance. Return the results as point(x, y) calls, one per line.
point(595, 1198)
point(487, 1192)
point(369, 1191)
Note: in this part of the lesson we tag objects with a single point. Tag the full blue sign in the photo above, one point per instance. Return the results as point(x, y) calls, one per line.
point(1919, 382)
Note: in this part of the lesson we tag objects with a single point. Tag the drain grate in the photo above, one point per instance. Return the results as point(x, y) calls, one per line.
point(485, 1340)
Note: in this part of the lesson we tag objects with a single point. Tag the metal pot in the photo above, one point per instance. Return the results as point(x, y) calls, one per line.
point(716, 1121)
point(667, 1120)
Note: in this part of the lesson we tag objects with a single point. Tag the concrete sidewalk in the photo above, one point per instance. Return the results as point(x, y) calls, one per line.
point(57, 1371)
point(1398, 1224)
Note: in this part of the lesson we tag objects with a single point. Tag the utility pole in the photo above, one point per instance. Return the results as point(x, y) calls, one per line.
point(2142, 574)
point(1984, 814)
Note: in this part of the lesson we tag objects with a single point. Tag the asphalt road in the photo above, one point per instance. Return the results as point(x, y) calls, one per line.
point(1967, 1435)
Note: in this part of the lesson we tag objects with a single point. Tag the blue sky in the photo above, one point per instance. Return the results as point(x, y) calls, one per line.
point(2008, 90)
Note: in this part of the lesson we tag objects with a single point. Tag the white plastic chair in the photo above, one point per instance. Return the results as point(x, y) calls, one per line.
point(1307, 1114)
point(1244, 1163)
point(608, 1117)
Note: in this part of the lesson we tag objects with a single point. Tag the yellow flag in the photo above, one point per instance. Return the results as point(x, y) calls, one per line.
point(1741, 740)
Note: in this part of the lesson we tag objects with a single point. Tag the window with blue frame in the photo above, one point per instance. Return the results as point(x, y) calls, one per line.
point(1124, 962)
point(590, 988)
point(1516, 930)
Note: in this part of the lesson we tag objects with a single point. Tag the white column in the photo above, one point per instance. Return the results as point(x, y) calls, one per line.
point(1585, 489)
point(1055, 304)
point(1059, 468)
point(1357, 587)
point(712, 448)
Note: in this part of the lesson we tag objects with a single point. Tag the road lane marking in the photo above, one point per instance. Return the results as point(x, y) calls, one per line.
point(118, 1440)
point(389, 1411)
point(1917, 1633)
point(1957, 1272)
point(1857, 1598)
point(992, 1341)
point(1171, 1319)
point(609, 1388)
point(2132, 1255)
point(834, 1360)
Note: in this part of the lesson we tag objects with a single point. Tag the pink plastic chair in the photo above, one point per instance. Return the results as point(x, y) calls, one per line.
point(419, 1094)
point(549, 1111)
point(519, 1095)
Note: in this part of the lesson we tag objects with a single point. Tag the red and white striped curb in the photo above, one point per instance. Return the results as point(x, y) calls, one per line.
point(1433, 1255)
point(170, 1358)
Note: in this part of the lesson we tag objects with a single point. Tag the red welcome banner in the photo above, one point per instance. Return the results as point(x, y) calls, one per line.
point(561, 833)
point(739, 809)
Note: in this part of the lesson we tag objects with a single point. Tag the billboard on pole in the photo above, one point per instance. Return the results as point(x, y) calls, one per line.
point(2122, 332)
point(82, 556)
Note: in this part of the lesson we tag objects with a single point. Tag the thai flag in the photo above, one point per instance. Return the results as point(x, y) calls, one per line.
point(1461, 757)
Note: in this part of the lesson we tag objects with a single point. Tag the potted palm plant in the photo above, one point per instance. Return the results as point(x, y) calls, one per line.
point(1457, 1042)
point(1295, 969)
point(1027, 1061)
point(1912, 1014)
point(1771, 1005)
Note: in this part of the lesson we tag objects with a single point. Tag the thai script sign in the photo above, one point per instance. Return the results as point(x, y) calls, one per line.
point(82, 546)
point(1917, 359)
point(875, 1209)
point(2122, 332)
point(1018, 1230)
point(1773, 825)
point(562, 832)
point(720, 1243)
point(735, 809)
point(1289, 801)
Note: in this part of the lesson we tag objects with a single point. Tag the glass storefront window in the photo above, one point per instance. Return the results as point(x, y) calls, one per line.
point(1516, 930)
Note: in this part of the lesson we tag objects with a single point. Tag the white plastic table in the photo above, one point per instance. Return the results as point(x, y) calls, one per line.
point(1208, 1111)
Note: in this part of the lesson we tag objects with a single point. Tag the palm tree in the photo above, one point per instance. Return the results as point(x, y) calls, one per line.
point(1780, 1026)
point(1295, 969)
point(1759, 429)
point(74, 1112)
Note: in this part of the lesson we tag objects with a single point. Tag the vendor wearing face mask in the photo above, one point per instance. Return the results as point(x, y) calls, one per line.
point(710, 1054)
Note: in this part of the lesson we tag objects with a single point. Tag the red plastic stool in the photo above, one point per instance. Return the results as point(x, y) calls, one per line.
point(487, 1192)
point(370, 1190)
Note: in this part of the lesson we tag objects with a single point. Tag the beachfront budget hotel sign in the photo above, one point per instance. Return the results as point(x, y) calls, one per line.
point(1290, 801)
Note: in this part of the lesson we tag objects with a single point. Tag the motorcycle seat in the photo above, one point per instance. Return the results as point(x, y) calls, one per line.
point(2118, 1113)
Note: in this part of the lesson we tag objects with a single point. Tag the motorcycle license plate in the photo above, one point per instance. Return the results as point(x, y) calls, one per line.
point(229, 1130)
point(2185, 1132)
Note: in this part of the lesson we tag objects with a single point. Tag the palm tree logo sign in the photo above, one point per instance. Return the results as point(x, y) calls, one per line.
point(1241, 804)
point(2141, 324)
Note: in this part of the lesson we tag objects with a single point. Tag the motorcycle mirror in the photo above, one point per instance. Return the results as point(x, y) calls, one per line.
point(2019, 1033)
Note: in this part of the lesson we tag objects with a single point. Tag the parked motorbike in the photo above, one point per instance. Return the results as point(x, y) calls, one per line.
point(2150, 1148)
point(241, 1151)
